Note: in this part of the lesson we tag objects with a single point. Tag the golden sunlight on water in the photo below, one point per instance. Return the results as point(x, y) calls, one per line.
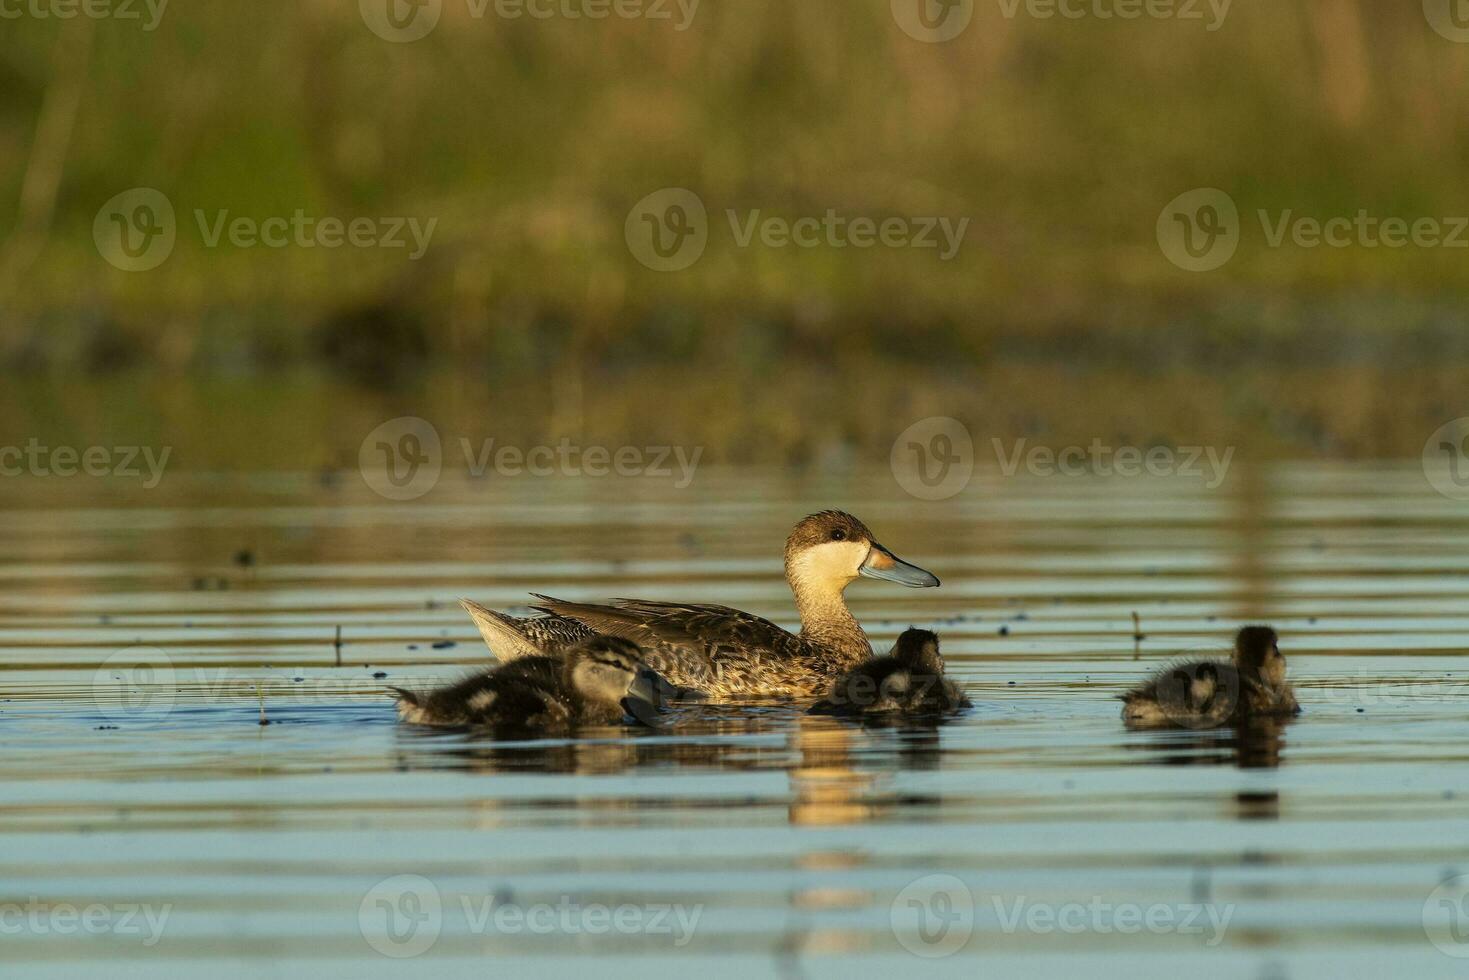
point(151, 824)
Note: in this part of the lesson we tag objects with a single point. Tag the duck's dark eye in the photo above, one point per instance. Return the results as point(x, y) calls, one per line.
point(839, 535)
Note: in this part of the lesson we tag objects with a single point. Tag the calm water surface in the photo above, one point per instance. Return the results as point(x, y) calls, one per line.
point(1032, 837)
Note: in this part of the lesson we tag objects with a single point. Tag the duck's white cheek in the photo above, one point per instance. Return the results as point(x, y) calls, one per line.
point(834, 560)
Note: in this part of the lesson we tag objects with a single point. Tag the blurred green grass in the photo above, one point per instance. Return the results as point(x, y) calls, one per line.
point(529, 141)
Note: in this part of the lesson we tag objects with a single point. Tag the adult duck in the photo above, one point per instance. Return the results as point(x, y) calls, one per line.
point(719, 652)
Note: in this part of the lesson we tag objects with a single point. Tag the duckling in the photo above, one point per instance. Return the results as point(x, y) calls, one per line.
point(909, 679)
point(1207, 693)
point(596, 682)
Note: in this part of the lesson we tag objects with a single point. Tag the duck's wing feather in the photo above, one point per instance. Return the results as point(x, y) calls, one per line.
point(690, 645)
point(512, 637)
point(707, 628)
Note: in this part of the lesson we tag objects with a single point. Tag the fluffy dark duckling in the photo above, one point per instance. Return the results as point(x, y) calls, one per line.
point(908, 680)
point(1208, 693)
point(597, 682)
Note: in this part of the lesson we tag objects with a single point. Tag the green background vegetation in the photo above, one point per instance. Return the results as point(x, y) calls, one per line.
point(529, 141)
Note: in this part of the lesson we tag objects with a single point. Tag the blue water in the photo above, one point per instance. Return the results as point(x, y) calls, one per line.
point(1032, 837)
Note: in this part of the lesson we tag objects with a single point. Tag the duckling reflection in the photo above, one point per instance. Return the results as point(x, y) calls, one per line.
point(599, 681)
point(1208, 693)
point(693, 735)
point(835, 773)
point(909, 680)
point(1248, 743)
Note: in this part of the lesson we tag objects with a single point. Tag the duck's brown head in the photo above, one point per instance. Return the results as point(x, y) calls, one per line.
point(1257, 653)
point(830, 549)
point(918, 650)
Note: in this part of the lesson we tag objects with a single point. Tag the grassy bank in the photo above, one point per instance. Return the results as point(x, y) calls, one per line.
point(528, 142)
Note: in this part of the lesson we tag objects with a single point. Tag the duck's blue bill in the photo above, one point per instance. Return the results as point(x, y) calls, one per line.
point(882, 563)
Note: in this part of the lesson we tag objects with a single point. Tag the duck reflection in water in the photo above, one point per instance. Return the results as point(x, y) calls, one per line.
point(1249, 743)
point(835, 773)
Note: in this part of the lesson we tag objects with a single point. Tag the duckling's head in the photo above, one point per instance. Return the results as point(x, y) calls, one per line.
point(918, 650)
point(1257, 652)
point(830, 549)
point(604, 667)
